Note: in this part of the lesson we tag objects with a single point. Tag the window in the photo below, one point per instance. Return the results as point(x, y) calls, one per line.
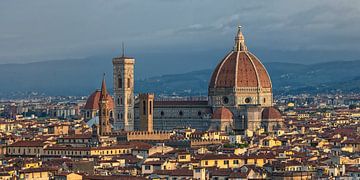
point(199, 113)
point(226, 162)
point(119, 82)
point(162, 113)
point(181, 113)
point(150, 110)
point(128, 83)
point(147, 167)
point(236, 161)
point(225, 100)
point(144, 107)
point(248, 100)
point(206, 163)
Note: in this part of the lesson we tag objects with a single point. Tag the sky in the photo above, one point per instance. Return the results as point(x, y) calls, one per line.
point(200, 31)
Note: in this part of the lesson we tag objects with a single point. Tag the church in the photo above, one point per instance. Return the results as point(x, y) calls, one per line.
point(239, 98)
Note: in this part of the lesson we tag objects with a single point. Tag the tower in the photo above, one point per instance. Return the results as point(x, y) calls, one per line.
point(123, 71)
point(146, 111)
point(104, 111)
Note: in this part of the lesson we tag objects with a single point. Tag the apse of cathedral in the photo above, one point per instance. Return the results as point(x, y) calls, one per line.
point(239, 98)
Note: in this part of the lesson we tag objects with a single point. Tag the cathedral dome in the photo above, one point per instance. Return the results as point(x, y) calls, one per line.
point(240, 69)
point(222, 113)
point(270, 113)
point(93, 101)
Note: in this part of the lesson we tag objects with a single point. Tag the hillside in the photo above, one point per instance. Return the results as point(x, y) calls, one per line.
point(82, 76)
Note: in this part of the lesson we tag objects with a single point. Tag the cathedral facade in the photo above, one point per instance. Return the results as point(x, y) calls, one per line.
point(239, 98)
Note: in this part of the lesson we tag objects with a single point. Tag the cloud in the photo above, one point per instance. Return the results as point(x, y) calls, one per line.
point(35, 30)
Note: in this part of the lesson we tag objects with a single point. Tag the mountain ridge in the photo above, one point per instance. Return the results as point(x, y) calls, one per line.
point(82, 76)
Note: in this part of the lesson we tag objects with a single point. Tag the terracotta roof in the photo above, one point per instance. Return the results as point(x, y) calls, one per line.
point(156, 163)
point(240, 69)
point(175, 172)
point(58, 147)
point(222, 113)
point(28, 144)
point(93, 101)
point(123, 177)
point(77, 136)
point(41, 169)
point(180, 103)
point(271, 113)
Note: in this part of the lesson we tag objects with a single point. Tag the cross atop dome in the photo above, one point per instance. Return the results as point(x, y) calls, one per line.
point(240, 41)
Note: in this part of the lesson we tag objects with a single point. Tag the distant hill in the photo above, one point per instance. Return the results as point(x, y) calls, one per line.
point(82, 76)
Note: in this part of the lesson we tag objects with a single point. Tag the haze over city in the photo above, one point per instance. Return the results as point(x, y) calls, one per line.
point(179, 90)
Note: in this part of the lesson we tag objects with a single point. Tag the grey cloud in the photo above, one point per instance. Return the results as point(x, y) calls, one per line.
point(39, 30)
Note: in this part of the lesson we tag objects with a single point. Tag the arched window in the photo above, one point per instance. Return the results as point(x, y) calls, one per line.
point(120, 82)
point(144, 107)
point(121, 116)
point(150, 110)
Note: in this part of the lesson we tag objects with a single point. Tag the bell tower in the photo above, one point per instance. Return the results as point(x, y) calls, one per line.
point(104, 111)
point(123, 72)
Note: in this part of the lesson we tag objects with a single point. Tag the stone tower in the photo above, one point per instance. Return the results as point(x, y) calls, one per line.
point(104, 111)
point(146, 111)
point(123, 71)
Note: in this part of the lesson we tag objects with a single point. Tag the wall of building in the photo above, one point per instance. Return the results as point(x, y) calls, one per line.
point(168, 118)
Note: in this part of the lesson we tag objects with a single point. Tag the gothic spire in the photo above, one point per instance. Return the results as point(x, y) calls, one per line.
point(103, 89)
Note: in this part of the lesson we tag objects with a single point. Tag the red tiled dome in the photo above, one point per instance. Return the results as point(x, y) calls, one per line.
point(93, 101)
point(270, 113)
point(240, 68)
point(222, 113)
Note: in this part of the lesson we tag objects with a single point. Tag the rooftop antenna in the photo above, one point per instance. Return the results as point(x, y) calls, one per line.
point(123, 50)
